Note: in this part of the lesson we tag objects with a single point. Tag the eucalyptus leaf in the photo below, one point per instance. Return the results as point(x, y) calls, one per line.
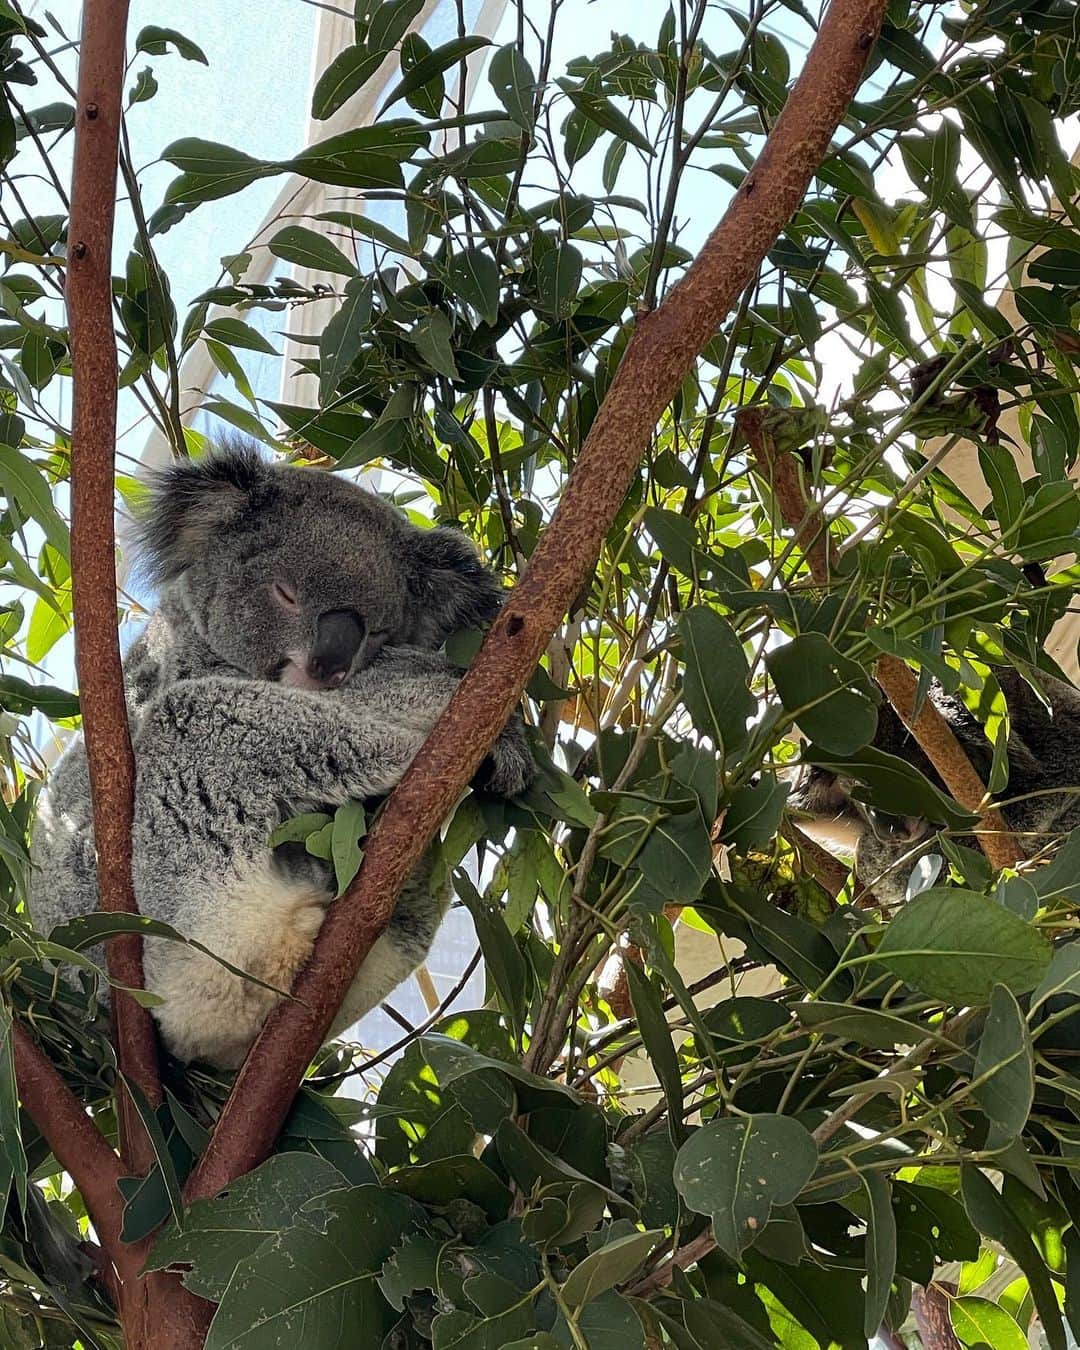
point(738, 1169)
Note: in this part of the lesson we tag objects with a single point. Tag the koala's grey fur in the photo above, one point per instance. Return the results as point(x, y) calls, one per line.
point(1043, 753)
point(226, 749)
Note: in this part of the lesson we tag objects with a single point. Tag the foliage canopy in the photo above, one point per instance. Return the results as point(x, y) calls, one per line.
point(876, 1094)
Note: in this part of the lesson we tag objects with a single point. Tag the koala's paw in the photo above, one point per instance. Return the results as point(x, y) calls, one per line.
point(509, 767)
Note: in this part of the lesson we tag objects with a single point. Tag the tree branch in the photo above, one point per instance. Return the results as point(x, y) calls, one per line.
point(661, 350)
point(77, 1144)
point(947, 755)
point(930, 729)
point(931, 1308)
point(88, 292)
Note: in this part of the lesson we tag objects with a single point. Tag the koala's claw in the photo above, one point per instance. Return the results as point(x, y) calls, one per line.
point(509, 767)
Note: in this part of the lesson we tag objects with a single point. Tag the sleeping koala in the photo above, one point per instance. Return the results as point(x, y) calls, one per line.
point(289, 667)
point(1043, 751)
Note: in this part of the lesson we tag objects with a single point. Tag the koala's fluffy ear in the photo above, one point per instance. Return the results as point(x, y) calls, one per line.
point(450, 585)
point(192, 500)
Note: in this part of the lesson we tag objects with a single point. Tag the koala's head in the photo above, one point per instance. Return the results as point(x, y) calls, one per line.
point(885, 847)
point(301, 576)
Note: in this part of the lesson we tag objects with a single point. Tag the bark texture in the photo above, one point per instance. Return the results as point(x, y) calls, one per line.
point(88, 292)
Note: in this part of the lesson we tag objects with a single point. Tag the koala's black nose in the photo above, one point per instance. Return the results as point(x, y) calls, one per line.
point(339, 635)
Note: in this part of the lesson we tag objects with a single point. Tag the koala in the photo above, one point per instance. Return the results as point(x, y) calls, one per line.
point(291, 666)
point(1043, 753)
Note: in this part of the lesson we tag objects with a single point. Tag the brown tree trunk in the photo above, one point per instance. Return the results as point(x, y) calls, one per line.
point(156, 1312)
point(930, 1307)
point(88, 292)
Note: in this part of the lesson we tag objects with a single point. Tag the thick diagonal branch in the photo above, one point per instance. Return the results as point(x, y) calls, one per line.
point(88, 292)
point(661, 351)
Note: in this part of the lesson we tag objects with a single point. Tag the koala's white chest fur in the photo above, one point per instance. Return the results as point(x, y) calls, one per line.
point(259, 920)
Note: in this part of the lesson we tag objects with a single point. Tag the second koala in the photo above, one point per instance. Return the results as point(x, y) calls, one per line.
point(1042, 799)
point(290, 667)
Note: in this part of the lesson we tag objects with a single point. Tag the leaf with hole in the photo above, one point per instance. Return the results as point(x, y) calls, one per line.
point(346, 74)
point(514, 83)
point(473, 276)
point(558, 278)
point(737, 1169)
point(441, 59)
point(313, 1283)
point(219, 1233)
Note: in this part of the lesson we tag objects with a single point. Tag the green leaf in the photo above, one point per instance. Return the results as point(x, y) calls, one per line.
point(390, 22)
point(166, 1167)
point(1003, 1080)
point(1050, 522)
point(1059, 266)
point(1003, 479)
point(558, 279)
point(86, 930)
point(157, 41)
point(473, 276)
point(343, 336)
point(145, 87)
point(442, 58)
point(348, 72)
point(867, 1026)
point(431, 337)
point(446, 1180)
point(235, 333)
point(977, 1322)
point(754, 812)
point(210, 170)
point(608, 1266)
point(349, 827)
point(656, 1033)
point(428, 99)
point(297, 244)
point(832, 699)
point(994, 1217)
point(514, 83)
point(880, 1251)
point(717, 677)
point(738, 1169)
point(48, 624)
point(894, 785)
point(956, 945)
point(604, 114)
point(503, 960)
point(313, 1285)
point(11, 1144)
point(452, 1061)
point(608, 1323)
point(19, 696)
point(23, 482)
point(220, 1233)
point(297, 828)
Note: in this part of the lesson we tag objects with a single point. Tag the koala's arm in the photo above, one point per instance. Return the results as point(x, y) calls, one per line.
point(411, 686)
point(222, 759)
